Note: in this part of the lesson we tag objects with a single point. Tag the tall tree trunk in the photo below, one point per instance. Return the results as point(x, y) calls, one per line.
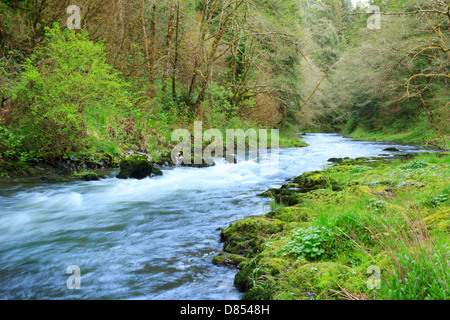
point(170, 31)
point(199, 52)
point(153, 40)
point(175, 59)
point(146, 40)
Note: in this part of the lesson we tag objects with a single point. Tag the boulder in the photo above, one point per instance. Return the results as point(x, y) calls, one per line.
point(228, 259)
point(246, 236)
point(315, 180)
point(137, 167)
point(85, 176)
point(392, 149)
point(336, 160)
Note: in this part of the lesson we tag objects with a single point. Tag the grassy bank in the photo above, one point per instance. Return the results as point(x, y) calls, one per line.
point(360, 229)
point(420, 134)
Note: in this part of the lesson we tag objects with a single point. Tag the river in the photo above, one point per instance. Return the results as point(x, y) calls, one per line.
point(143, 239)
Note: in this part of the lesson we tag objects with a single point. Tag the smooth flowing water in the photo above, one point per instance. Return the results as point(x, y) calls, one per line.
point(143, 239)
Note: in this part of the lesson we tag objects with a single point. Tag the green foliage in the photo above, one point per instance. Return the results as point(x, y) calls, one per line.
point(377, 205)
point(415, 164)
point(310, 243)
point(421, 275)
point(220, 98)
point(10, 146)
point(437, 200)
point(68, 97)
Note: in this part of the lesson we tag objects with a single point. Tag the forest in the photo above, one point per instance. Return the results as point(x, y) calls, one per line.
point(121, 75)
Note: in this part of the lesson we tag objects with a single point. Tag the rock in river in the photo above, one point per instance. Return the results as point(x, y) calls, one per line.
point(392, 149)
point(137, 167)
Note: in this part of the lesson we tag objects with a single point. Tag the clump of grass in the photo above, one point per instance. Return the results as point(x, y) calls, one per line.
point(422, 273)
point(420, 260)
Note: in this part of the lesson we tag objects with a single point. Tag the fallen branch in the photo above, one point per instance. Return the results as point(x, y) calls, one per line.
point(318, 85)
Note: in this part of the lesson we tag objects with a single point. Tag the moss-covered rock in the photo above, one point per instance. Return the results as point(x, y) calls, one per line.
point(164, 158)
point(85, 176)
point(315, 180)
point(290, 194)
point(296, 213)
point(340, 197)
point(137, 167)
point(287, 197)
point(245, 236)
point(228, 259)
point(243, 280)
point(392, 149)
point(274, 265)
point(156, 172)
point(107, 160)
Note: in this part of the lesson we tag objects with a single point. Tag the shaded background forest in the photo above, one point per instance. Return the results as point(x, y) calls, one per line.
point(138, 69)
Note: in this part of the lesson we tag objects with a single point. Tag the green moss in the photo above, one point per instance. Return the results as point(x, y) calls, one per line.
point(439, 220)
point(361, 190)
point(263, 289)
point(137, 167)
point(246, 236)
point(107, 159)
point(315, 180)
point(163, 158)
point(85, 176)
point(323, 196)
point(228, 259)
point(244, 278)
point(296, 213)
point(318, 278)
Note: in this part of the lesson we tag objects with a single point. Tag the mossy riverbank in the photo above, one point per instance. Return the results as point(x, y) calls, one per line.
point(359, 229)
point(84, 166)
point(419, 135)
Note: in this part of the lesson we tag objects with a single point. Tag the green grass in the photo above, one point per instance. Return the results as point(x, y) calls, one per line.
point(421, 134)
point(290, 140)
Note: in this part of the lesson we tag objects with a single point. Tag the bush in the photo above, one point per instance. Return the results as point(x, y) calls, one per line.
point(68, 97)
point(310, 243)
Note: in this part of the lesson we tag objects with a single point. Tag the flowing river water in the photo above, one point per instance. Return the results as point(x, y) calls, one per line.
point(143, 239)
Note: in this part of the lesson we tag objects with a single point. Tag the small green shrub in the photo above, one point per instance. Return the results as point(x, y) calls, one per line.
point(309, 243)
point(415, 164)
point(377, 205)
